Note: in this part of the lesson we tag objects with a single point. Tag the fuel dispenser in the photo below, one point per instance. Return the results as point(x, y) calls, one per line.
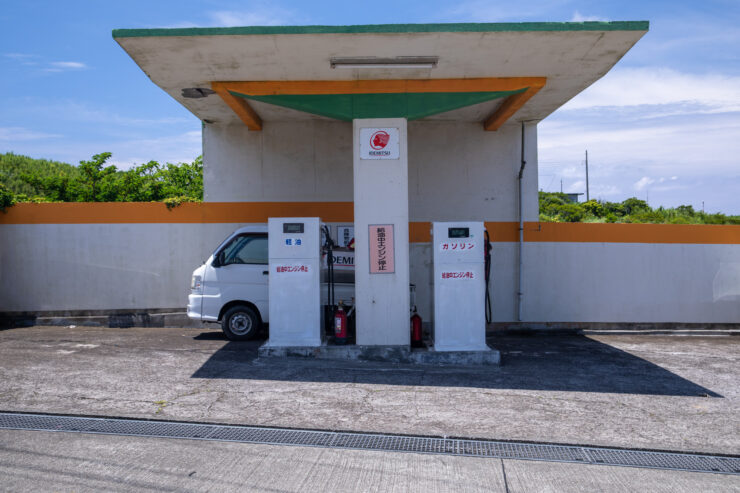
point(460, 259)
point(294, 251)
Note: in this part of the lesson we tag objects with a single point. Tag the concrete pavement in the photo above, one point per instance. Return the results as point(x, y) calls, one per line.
point(45, 461)
point(673, 393)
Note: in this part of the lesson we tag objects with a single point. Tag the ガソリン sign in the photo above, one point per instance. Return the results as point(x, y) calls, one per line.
point(379, 143)
point(381, 249)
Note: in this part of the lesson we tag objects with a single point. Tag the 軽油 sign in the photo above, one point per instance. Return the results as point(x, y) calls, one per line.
point(380, 143)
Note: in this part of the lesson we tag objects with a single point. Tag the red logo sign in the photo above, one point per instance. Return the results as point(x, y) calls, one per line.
point(379, 140)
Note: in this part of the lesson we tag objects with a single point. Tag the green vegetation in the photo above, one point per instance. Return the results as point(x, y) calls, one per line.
point(24, 179)
point(556, 207)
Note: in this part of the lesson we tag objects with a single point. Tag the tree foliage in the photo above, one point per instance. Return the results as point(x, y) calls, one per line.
point(24, 179)
point(556, 207)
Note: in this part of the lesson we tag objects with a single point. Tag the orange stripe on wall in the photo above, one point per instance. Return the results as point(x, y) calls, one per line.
point(157, 212)
point(419, 232)
point(633, 233)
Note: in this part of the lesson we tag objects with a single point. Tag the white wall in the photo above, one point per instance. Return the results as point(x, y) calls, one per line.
point(457, 171)
point(631, 282)
point(60, 267)
point(63, 267)
point(291, 162)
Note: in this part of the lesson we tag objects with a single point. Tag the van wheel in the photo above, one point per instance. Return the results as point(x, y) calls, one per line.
point(241, 323)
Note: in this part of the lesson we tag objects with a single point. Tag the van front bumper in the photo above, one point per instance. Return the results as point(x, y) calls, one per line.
point(195, 302)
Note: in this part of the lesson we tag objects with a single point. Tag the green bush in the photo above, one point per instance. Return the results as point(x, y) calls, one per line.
point(594, 208)
point(7, 199)
point(556, 207)
point(25, 179)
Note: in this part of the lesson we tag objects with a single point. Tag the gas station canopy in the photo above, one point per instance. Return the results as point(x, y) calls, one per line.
point(452, 72)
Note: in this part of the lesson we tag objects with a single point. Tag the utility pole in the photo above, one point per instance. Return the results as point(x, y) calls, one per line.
point(588, 197)
point(561, 185)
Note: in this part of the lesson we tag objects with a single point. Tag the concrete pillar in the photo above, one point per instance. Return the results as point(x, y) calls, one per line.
point(381, 198)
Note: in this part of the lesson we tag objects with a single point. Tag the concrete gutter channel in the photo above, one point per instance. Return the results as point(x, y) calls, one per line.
point(469, 447)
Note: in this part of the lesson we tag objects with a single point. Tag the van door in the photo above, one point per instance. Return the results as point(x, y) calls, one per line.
point(239, 271)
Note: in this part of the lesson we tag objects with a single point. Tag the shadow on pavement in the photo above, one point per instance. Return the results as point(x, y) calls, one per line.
point(570, 363)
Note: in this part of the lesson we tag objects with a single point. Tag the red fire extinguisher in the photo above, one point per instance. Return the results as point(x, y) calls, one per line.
point(340, 325)
point(416, 340)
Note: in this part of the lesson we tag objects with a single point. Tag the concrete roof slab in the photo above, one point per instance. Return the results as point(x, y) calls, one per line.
point(571, 55)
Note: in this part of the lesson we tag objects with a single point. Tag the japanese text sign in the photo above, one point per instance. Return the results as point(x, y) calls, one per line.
point(456, 246)
point(462, 275)
point(297, 269)
point(381, 249)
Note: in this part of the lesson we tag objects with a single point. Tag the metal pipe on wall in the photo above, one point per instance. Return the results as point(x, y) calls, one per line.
point(520, 293)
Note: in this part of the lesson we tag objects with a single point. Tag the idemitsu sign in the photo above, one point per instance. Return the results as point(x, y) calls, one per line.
point(379, 143)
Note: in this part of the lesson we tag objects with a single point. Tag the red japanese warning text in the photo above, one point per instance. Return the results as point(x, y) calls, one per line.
point(458, 275)
point(291, 268)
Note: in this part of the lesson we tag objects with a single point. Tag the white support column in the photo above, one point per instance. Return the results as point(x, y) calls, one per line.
point(381, 198)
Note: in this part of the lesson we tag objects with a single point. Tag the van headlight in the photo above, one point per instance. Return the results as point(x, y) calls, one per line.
point(196, 284)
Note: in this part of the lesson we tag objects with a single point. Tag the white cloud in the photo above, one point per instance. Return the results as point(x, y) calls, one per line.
point(20, 56)
point(177, 148)
point(643, 182)
point(176, 25)
point(10, 135)
point(75, 111)
point(63, 66)
point(33, 60)
point(68, 65)
point(260, 17)
point(578, 17)
point(263, 14)
point(487, 11)
point(83, 112)
point(600, 190)
point(644, 128)
point(654, 88)
point(680, 159)
point(691, 147)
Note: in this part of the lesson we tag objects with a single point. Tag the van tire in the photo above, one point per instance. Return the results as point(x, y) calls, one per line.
point(241, 323)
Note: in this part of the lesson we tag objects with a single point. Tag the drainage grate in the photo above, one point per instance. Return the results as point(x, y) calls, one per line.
point(392, 443)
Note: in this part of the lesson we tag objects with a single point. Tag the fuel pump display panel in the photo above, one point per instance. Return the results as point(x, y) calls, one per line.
point(458, 232)
point(293, 228)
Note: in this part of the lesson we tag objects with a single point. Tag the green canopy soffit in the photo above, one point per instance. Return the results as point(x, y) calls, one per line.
point(411, 106)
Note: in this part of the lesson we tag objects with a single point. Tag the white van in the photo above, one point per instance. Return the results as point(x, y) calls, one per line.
point(231, 286)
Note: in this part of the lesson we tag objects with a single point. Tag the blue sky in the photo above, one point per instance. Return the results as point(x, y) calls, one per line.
point(664, 124)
